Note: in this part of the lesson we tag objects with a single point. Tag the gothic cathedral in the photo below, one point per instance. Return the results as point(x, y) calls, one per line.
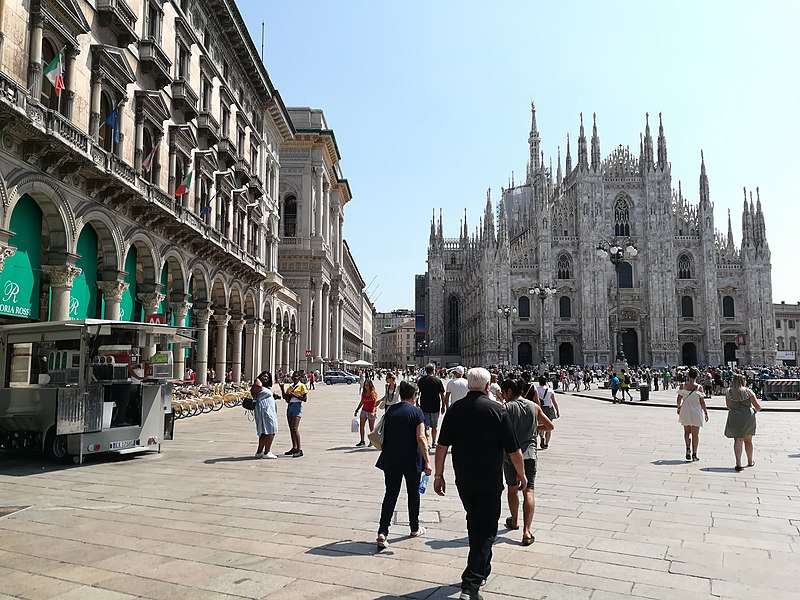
point(688, 295)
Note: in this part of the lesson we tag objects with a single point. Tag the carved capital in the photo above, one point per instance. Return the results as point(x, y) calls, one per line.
point(237, 325)
point(202, 316)
point(151, 301)
point(250, 327)
point(222, 320)
point(60, 276)
point(112, 290)
point(6, 252)
point(180, 309)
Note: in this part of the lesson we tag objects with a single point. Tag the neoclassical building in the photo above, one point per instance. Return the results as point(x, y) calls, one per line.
point(690, 295)
point(160, 96)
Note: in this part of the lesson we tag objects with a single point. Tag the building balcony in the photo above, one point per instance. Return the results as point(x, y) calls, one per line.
point(117, 16)
point(273, 282)
point(155, 62)
point(256, 186)
point(242, 168)
point(60, 149)
point(207, 125)
point(226, 152)
point(184, 98)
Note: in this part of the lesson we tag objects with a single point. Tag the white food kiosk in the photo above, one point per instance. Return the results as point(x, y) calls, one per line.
point(73, 388)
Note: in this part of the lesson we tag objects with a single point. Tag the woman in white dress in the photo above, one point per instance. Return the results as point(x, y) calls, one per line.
point(692, 413)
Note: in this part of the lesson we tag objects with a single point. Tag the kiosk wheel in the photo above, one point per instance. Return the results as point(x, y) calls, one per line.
point(55, 446)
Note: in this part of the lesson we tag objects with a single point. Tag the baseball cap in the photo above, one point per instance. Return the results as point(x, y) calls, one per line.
point(459, 370)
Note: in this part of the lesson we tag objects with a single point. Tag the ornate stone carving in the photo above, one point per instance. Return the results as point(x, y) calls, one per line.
point(6, 252)
point(237, 325)
point(180, 309)
point(222, 320)
point(60, 276)
point(112, 290)
point(151, 301)
point(202, 316)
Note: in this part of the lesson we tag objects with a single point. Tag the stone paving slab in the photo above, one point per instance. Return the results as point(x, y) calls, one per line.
point(619, 515)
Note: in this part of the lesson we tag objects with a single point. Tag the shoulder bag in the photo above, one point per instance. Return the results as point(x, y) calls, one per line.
point(376, 436)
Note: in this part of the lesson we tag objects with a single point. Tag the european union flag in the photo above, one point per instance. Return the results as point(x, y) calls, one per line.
point(112, 120)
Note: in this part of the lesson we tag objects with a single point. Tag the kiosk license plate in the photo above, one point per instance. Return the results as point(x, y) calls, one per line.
point(121, 445)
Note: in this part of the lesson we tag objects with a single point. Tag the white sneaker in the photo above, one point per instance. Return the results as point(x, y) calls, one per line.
point(270, 455)
point(382, 542)
point(259, 455)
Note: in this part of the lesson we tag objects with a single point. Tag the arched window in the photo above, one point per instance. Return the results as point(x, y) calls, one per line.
point(48, 96)
point(524, 307)
point(452, 259)
point(564, 267)
point(565, 307)
point(622, 218)
point(793, 344)
point(727, 307)
point(151, 173)
point(780, 343)
point(290, 216)
point(687, 307)
point(685, 270)
point(453, 310)
point(625, 275)
point(106, 132)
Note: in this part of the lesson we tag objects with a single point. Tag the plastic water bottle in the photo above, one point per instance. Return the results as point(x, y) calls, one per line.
point(423, 484)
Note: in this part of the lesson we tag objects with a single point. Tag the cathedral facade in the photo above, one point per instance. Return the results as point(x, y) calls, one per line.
point(688, 295)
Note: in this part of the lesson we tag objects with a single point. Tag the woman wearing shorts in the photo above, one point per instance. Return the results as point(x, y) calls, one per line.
point(368, 407)
point(295, 394)
point(549, 407)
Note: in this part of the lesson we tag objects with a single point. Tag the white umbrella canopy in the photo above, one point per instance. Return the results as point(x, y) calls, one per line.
point(360, 363)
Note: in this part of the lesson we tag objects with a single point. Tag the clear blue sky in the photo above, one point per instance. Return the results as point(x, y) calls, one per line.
point(430, 103)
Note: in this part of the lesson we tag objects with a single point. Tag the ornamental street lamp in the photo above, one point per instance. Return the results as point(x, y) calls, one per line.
point(542, 292)
point(617, 250)
point(507, 311)
point(422, 350)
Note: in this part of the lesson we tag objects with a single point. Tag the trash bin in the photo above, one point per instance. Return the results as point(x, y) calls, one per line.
point(644, 392)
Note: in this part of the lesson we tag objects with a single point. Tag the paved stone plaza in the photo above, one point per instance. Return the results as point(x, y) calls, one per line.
point(620, 515)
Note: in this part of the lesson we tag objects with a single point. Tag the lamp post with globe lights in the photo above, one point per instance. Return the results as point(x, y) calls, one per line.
point(507, 311)
point(617, 250)
point(542, 292)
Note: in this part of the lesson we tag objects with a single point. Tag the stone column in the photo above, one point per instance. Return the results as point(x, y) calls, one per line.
point(229, 229)
point(340, 332)
point(326, 215)
point(339, 238)
point(305, 214)
point(94, 107)
point(293, 357)
point(237, 325)
point(326, 322)
point(335, 233)
point(201, 317)
point(138, 141)
point(60, 278)
point(112, 294)
point(173, 168)
point(316, 335)
point(221, 348)
point(151, 301)
point(319, 203)
point(179, 311)
point(250, 346)
point(72, 53)
point(287, 359)
point(278, 341)
point(35, 56)
point(337, 326)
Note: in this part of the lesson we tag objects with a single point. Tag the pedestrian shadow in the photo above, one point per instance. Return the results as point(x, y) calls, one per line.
point(349, 548)
point(718, 469)
point(349, 449)
point(442, 544)
point(431, 593)
point(670, 462)
point(229, 459)
point(794, 456)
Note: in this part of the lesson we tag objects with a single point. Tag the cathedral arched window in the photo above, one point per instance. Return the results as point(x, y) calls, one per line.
point(564, 267)
point(290, 216)
point(793, 344)
point(524, 307)
point(452, 259)
point(565, 307)
point(687, 307)
point(685, 270)
point(453, 316)
point(625, 275)
point(622, 218)
point(728, 307)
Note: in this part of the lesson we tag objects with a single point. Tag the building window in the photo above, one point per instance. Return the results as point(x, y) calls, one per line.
point(453, 325)
point(48, 97)
point(780, 343)
point(793, 344)
point(152, 174)
point(625, 275)
point(106, 131)
point(727, 307)
point(182, 65)
point(778, 324)
point(225, 119)
point(205, 93)
point(791, 324)
point(240, 141)
point(565, 307)
point(622, 218)
point(152, 21)
point(290, 217)
point(687, 307)
point(564, 267)
point(452, 259)
point(524, 307)
point(685, 267)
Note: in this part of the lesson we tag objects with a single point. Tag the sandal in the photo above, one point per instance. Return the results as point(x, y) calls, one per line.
point(751, 464)
point(509, 524)
point(527, 541)
point(738, 468)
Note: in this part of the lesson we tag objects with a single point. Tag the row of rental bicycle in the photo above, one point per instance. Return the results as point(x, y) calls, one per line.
point(191, 400)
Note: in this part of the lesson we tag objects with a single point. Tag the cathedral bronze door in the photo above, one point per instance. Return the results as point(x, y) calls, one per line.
point(729, 352)
point(525, 354)
point(566, 354)
point(689, 354)
point(630, 346)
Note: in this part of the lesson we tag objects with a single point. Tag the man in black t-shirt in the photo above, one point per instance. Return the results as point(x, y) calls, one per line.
point(431, 401)
point(481, 433)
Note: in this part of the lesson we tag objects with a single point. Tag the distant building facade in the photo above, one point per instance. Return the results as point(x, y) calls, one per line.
point(397, 345)
point(690, 295)
point(787, 327)
point(383, 321)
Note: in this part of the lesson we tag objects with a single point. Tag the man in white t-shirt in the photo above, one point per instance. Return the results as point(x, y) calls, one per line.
point(456, 388)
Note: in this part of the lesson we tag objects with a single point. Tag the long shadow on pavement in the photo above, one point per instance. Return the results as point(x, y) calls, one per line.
point(662, 463)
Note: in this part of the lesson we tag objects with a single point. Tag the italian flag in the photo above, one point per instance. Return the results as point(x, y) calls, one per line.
point(183, 188)
point(55, 72)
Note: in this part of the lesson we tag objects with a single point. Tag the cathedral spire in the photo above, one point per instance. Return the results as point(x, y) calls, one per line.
point(439, 233)
point(502, 224)
point(704, 195)
point(746, 221)
point(559, 175)
point(488, 218)
point(568, 159)
point(432, 241)
point(730, 232)
point(595, 145)
point(534, 140)
point(466, 229)
point(760, 225)
point(648, 145)
point(583, 157)
point(662, 145)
